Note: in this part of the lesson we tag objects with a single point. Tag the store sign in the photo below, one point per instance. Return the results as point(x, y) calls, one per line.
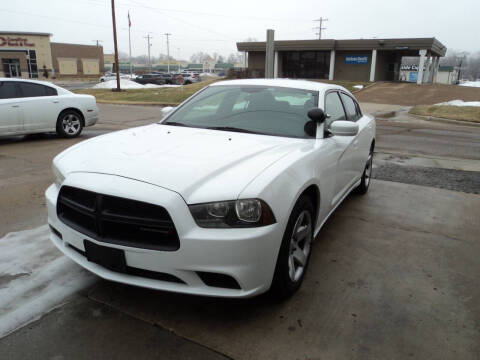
point(8, 41)
point(413, 76)
point(356, 59)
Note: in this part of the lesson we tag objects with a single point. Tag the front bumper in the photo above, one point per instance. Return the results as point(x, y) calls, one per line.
point(248, 255)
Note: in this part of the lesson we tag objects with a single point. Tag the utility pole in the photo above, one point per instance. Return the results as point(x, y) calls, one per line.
point(320, 27)
point(168, 52)
point(98, 42)
point(115, 44)
point(148, 37)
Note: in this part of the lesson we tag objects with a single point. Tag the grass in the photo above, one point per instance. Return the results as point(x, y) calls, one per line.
point(160, 96)
point(170, 96)
point(465, 113)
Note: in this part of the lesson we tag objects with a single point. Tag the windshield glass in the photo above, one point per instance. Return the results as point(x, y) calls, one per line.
point(256, 109)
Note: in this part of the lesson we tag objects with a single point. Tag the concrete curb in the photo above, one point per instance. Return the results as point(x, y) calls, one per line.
point(445, 120)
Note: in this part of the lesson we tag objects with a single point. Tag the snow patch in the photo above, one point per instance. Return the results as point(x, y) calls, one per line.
point(128, 84)
point(460, 103)
point(471, 83)
point(359, 87)
point(34, 277)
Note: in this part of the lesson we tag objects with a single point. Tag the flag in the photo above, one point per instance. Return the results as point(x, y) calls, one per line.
point(129, 22)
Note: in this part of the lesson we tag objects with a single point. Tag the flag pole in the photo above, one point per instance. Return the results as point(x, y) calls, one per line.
point(130, 44)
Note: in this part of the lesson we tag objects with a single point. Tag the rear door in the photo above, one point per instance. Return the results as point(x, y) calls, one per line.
point(11, 120)
point(40, 105)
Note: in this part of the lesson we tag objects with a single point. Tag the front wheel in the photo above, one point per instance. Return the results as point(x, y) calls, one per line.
point(366, 176)
point(295, 250)
point(69, 124)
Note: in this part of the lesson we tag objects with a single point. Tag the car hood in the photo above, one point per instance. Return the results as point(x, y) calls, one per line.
point(201, 165)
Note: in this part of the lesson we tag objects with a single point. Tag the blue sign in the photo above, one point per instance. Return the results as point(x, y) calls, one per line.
point(413, 76)
point(356, 59)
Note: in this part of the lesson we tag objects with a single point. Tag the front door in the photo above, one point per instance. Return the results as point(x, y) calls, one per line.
point(14, 69)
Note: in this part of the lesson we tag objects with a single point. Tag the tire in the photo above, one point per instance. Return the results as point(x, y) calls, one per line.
point(188, 82)
point(69, 124)
point(294, 255)
point(366, 176)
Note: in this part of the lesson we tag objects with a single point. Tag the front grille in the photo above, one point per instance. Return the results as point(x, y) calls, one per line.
point(117, 220)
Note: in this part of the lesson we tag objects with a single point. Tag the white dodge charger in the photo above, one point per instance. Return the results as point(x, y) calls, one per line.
point(223, 197)
point(30, 107)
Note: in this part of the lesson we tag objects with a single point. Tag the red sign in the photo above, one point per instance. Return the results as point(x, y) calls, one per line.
point(8, 41)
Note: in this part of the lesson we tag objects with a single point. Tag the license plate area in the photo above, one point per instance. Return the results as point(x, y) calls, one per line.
point(110, 258)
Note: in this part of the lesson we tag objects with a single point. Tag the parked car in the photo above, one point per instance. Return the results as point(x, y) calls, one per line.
point(223, 197)
point(157, 79)
point(190, 78)
point(30, 106)
point(113, 76)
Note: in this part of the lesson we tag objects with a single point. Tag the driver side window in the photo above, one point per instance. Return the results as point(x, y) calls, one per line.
point(334, 108)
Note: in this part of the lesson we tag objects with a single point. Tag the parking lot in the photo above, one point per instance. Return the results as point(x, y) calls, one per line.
point(393, 274)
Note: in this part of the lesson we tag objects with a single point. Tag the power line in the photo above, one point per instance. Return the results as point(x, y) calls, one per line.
point(320, 28)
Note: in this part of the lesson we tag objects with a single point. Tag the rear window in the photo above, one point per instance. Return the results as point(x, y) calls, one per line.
point(35, 90)
point(8, 90)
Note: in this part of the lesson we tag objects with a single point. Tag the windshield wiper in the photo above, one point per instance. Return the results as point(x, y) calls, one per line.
point(234, 129)
point(174, 123)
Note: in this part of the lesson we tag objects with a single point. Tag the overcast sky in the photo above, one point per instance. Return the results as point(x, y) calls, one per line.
point(216, 25)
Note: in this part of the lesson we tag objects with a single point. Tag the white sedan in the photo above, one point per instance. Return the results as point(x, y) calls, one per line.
point(223, 197)
point(30, 106)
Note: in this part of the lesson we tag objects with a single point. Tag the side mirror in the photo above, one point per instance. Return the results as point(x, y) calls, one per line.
point(167, 109)
point(343, 128)
point(317, 117)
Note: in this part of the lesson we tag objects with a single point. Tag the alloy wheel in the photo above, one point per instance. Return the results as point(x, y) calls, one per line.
point(71, 124)
point(300, 244)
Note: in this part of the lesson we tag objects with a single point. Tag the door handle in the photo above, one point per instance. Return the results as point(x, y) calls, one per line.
point(15, 106)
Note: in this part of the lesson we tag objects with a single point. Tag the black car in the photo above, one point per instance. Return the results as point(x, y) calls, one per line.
point(157, 79)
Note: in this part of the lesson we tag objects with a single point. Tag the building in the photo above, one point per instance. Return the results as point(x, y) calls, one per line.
point(24, 54)
point(358, 60)
point(447, 75)
point(72, 60)
point(32, 55)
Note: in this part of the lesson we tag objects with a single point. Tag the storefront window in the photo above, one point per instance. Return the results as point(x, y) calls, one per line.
point(306, 64)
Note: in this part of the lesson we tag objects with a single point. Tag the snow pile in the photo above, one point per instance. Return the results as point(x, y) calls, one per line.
point(152, 86)
point(460, 103)
point(358, 87)
point(471, 83)
point(34, 277)
point(127, 84)
point(208, 75)
point(124, 84)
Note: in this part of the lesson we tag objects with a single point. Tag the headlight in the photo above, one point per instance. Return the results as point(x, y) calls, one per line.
point(58, 176)
point(231, 214)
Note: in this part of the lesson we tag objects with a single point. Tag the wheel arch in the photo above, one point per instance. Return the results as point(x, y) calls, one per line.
point(313, 193)
point(78, 111)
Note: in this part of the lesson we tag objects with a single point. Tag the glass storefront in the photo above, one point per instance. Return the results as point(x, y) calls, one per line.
point(11, 66)
point(305, 64)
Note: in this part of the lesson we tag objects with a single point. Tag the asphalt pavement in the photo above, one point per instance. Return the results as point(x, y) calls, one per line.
point(393, 273)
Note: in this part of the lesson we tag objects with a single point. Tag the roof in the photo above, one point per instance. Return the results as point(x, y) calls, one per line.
point(445, 68)
point(223, 65)
point(195, 66)
point(24, 33)
point(288, 83)
point(406, 45)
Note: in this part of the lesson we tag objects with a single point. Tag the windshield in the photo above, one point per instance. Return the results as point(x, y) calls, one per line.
point(256, 109)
